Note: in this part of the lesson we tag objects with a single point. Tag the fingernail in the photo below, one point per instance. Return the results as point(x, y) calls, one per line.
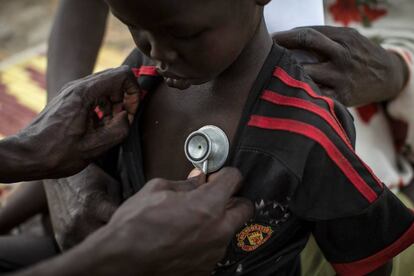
point(194, 173)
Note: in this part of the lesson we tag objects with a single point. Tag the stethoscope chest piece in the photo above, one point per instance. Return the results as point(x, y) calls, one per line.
point(207, 148)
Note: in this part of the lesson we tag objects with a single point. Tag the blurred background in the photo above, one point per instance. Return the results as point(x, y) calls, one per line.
point(24, 29)
point(25, 24)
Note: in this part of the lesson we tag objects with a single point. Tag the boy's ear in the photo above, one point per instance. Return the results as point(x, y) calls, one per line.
point(262, 2)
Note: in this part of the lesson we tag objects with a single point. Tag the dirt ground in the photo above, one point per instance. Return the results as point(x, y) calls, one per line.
point(26, 23)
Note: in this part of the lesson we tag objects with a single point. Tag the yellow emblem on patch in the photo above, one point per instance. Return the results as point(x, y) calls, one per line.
point(253, 236)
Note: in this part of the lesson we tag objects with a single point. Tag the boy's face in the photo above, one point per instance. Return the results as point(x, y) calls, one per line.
point(193, 41)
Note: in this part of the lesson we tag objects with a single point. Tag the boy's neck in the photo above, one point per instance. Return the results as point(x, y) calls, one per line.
point(246, 67)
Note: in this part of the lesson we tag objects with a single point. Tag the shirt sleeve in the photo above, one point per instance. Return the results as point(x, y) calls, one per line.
point(359, 244)
point(357, 222)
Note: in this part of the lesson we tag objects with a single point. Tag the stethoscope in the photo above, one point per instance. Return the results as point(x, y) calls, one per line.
point(207, 148)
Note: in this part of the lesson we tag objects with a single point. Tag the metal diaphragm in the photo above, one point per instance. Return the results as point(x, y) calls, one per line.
point(207, 148)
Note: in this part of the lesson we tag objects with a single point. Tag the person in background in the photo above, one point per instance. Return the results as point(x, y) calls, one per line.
point(377, 71)
point(76, 47)
point(60, 53)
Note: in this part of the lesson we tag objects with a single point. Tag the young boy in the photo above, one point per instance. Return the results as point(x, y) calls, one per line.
point(213, 63)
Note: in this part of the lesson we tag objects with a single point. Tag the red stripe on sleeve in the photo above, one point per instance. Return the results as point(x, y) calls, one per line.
point(290, 81)
point(279, 99)
point(318, 136)
point(145, 71)
point(367, 265)
point(309, 106)
point(148, 71)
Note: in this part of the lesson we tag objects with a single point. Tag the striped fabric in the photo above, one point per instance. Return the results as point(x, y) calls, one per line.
point(23, 86)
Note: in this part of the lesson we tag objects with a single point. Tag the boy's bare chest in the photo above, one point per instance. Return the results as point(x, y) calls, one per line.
point(171, 115)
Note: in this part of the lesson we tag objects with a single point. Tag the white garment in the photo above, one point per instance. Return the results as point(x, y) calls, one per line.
point(374, 143)
point(281, 15)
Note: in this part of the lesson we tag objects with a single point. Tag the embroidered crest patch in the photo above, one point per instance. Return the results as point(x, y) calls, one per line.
point(253, 236)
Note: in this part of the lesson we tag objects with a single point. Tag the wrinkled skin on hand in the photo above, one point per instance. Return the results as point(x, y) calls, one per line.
point(174, 228)
point(68, 135)
point(80, 204)
point(351, 68)
point(84, 202)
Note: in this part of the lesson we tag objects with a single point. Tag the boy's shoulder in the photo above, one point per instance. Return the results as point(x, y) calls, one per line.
point(313, 137)
point(291, 95)
point(291, 115)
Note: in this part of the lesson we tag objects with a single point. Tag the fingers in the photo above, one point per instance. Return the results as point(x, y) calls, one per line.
point(190, 184)
point(104, 210)
point(341, 96)
point(308, 39)
point(112, 83)
point(337, 33)
point(117, 89)
point(329, 81)
point(221, 186)
point(130, 104)
point(195, 179)
point(238, 212)
point(111, 133)
point(195, 172)
point(323, 73)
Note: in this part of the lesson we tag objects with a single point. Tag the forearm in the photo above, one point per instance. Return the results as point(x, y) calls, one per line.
point(98, 255)
point(18, 161)
point(74, 42)
point(26, 201)
point(80, 261)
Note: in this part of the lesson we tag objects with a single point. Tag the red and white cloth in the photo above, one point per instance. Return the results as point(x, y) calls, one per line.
point(385, 135)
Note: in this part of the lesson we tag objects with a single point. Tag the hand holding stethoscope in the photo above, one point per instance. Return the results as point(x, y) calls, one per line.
point(207, 148)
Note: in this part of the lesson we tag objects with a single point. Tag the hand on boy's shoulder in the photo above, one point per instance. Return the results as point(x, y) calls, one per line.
point(344, 56)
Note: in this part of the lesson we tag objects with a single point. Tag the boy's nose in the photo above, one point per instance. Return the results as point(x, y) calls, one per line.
point(162, 53)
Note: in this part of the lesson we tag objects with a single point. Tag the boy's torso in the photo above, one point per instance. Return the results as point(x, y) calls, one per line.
point(272, 162)
point(170, 115)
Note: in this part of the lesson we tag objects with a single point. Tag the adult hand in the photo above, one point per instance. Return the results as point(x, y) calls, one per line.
point(81, 204)
point(70, 132)
point(175, 228)
point(167, 228)
point(351, 68)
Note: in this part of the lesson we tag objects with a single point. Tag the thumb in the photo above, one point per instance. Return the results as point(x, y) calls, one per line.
point(238, 211)
point(105, 209)
point(195, 172)
point(193, 181)
point(198, 177)
point(112, 133)
point(131, 102)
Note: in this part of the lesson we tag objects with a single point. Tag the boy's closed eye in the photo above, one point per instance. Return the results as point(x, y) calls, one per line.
point(187, 35)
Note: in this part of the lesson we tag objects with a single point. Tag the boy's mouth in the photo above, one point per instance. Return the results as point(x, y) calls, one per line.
point(177, 83)
point(174, 80)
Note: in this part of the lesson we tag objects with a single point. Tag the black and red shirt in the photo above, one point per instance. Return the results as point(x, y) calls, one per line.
point(295, 151)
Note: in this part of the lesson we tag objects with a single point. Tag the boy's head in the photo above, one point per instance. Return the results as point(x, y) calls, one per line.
point(193, 41)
